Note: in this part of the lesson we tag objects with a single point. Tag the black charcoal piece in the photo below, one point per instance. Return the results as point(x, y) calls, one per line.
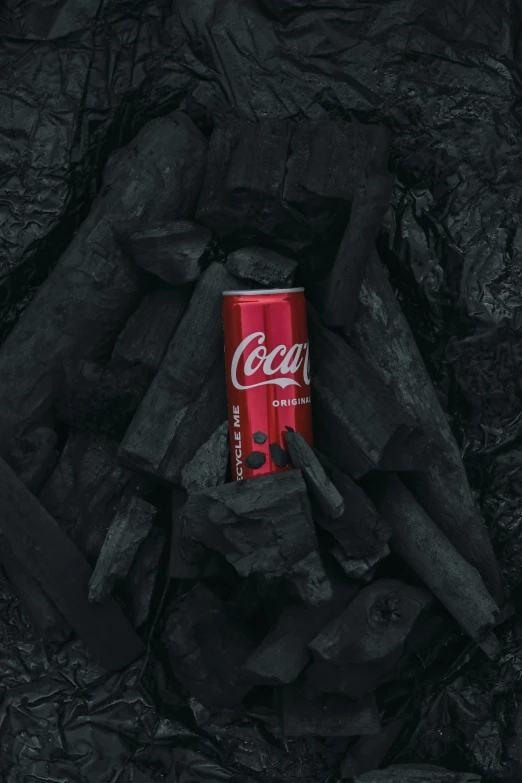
point(356, 422)
point(85, 488)
point(48, 621)
point(195, 351)
point(208, 467)
point(33, 456)
point(370, 202)
point(130, 526)
point(148, 331)
point(326, 716)
point(320, 486)
point(263, 527)
point(374, 625)
point(30, 536)
point(360, 568)
point(100, 398)
point(255, 460)
point(283, 653)
point(139, 584)
point(382, 335)
point(279, 456)
point(262, 266)
point(190, 559)
point(416, 773)
point(207, 648)
point(259, 437)
point(354, 680)
point(173, 251)
point(89, 294)
point(369, 752)
point(456, 583)
point(317, 150)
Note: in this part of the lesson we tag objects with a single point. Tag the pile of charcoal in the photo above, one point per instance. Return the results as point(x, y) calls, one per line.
point(295, 598)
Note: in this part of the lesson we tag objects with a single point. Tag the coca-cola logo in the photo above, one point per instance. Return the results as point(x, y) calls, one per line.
point(281, 361)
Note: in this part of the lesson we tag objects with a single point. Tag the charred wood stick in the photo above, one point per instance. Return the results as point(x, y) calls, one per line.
point(262, 266)
point(320, 486)
point(130, 526)
point(195, 350)
point(357, 423)
point(29, 535)
point(374, 625)
point(344, 284)
point(326, 716)
point(148, 331)
point(208, 467)
point(456, 583)
point(382, 335)
point(89, 294)
point(416, 773)
point(263, 527)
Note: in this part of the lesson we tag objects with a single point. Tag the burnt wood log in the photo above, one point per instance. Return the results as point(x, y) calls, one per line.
point(326, 716)
point(416, 773)
point(90, 293)
point(129, 528)
point(85, 488)
point(370, 751)
point(263, 527)
point(195, 351)
point(207, 648)
point(262, 266)
point(33, 456)
point(456, 583)
point(283, 653)
point(374, 625)
point(382, 335)
point(208, 467)
point(370, 202)
point(29, 535)
point(147, 333)
point(357, 423)
point(174, 251)
point(321, 488)
point(100, 398)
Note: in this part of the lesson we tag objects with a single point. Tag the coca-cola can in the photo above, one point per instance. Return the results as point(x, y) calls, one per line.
point(268, 377)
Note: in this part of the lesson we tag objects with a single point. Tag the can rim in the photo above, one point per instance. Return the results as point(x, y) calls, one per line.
point(262, 291)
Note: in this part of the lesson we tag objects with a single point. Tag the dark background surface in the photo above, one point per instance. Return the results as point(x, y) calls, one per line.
point(78, 80)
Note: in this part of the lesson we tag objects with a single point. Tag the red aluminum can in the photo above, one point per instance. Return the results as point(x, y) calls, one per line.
point(268, 377)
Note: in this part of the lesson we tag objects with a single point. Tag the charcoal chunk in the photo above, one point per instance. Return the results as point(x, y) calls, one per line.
point(255, 460)
point(101, 398)
point(33, 456)
point(88, 296)
point(148, 331)
point(262, 266)
point(30, 536)
point(130, 526)
point(320, 486)
point(357, 423)
point(354, 680)
point(259, 437)
point(456, 583)
point(279, 456)
point(360, 568)
point(263, 527)
point(416, 773)
point(375, 624)
point(326, 716)
point(371, 750)
point(208, 466)
point(140, 582)
point(174, 251)
point(194, 352)
point(85, 488)
point(382, 335)
point(190, 559)
point(207, 648)
point(283, 653)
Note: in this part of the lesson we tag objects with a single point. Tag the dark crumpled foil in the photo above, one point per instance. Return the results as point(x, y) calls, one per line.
point(78, 79)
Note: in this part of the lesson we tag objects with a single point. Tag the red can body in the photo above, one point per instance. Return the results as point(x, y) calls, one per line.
point(268, 377)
